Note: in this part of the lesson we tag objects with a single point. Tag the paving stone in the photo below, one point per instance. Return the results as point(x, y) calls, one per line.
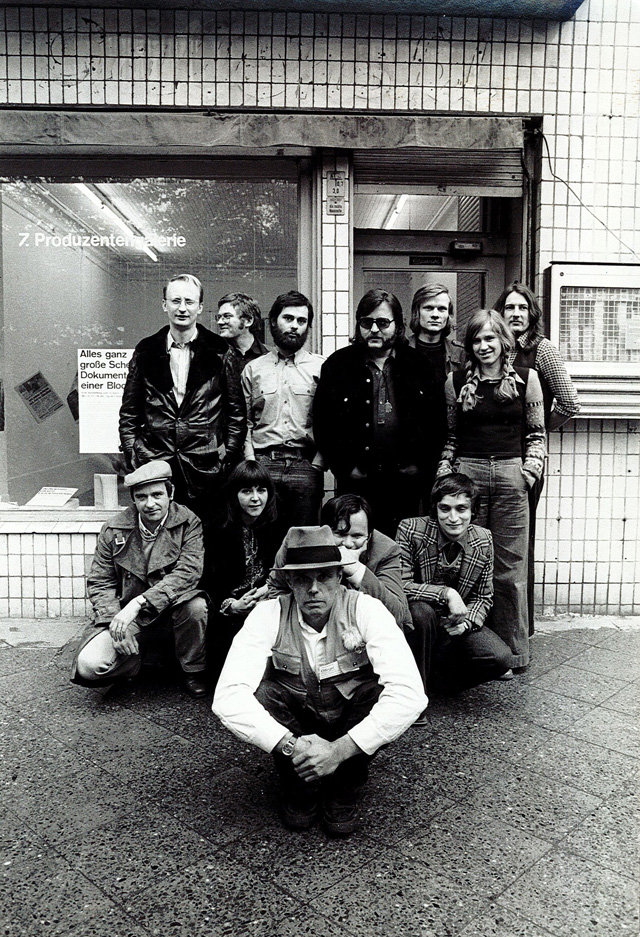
point(113, 923)
point(539, 805)
point(542, 707)
point(394, 802)
point(581, 764)
point(625, 701)
point(619, 664)
point(136, 851)
point(578, 684)
point(76, 804)
point(305, 863)
point(400, 897)
point(18, 842)
point(21, 659)
point(609, 835)
point(610, 729)
point(571, 896)
point(217, 897)
point(485, 852)
point(309, 924)
point(45, 896)
point(628, 642)
point(501, 922)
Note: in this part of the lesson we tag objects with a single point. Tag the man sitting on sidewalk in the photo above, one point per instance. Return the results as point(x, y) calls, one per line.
point(447, 570)
point(144, 580)
point(321, 677)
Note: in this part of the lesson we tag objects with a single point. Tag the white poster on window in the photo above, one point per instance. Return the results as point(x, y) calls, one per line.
point(102, 373)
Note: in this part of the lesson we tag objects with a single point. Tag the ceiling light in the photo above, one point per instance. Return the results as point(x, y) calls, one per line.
point(135, 237)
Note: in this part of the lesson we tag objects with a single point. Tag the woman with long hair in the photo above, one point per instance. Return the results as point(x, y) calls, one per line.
point(496, 436)
point(520, 310)
point(239, 552)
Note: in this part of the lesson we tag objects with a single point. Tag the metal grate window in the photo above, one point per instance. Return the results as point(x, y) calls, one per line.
point(198, 58)
point(600, 324)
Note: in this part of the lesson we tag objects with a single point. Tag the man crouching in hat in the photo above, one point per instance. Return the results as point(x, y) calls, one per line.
point(320, 677)
point(144, 577)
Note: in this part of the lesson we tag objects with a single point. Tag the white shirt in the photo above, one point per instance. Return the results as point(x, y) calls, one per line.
point(179, 362)
point(399, 705)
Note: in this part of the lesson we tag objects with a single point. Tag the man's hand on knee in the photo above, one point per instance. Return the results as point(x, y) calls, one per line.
point(319, 758)
point(120, 622)
point(128, 645)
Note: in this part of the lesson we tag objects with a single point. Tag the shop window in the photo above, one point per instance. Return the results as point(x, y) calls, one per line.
point(83, 266)
point(594, 312)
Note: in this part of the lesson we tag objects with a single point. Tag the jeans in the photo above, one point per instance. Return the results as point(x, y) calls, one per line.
point(392, 496)
point(459, 662)
point(534, 497)
point(503, 507)
point(98, 662)
point(299, 487)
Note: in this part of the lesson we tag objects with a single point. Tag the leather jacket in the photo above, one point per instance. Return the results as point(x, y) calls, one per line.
point(192, 434)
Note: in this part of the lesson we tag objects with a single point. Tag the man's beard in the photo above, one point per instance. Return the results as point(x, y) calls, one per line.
point(288, 341)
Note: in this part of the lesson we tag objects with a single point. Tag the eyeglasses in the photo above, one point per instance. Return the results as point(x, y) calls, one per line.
point(381, 323)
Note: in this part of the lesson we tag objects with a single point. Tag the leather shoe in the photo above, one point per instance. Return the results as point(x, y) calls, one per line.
point(194, 685)
point(341, 815)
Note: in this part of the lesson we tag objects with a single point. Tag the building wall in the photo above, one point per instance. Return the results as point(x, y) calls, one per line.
point(582, 76)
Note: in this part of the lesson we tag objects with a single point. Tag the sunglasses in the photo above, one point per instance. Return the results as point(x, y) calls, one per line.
point(381, 323)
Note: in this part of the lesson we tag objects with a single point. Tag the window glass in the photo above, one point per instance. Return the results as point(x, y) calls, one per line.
point(600, 323)
point(83, 267)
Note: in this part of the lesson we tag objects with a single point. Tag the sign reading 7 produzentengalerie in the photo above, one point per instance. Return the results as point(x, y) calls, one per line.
point(102, 373)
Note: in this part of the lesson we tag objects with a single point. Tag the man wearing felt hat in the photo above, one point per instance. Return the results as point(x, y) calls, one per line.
point(320, 677)
point(143, 584)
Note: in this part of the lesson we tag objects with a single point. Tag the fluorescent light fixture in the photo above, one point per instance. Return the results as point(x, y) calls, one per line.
point(109, 210)
point(395, 211)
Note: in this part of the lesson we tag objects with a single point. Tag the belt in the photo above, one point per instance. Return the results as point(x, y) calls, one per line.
point(283, 452)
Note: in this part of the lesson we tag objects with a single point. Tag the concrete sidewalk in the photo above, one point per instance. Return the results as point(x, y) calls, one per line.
point(515, 813)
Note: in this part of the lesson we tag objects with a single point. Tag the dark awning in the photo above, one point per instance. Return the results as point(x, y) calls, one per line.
point(37, 132)
point(511, 9)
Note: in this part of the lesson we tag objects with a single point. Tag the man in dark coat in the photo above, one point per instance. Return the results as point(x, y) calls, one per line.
point(180, 404)
point(379, 414)
point(144, 578)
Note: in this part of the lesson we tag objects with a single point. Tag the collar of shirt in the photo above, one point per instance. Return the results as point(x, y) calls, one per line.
point(373, 363)
point(511, 371)
point(443, 541)
point(147, 534)
point(171, 340)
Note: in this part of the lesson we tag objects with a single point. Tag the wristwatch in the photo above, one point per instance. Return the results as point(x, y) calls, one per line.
point(289, 746)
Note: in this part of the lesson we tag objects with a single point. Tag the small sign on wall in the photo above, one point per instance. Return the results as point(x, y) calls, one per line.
point(39, 397)
point(336, 192)
point(102, 374)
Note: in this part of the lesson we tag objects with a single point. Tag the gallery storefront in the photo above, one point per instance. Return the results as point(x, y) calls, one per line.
point(325, 151)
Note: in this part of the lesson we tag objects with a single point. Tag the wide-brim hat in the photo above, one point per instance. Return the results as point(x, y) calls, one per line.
point(310, 548)
point(156, 471)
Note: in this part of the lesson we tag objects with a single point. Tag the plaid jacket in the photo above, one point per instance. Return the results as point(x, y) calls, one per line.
point(417, 538)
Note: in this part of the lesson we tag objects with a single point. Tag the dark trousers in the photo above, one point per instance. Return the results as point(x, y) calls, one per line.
point(391, 494)
point(299, 487)
point(459, 662)
point(534, 497)
point(290, 708)
point(183, 625)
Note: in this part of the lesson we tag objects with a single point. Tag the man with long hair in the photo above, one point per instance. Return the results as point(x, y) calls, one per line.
point(379, 416)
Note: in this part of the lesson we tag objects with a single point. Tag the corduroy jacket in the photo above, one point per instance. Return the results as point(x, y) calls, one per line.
point(343, 411)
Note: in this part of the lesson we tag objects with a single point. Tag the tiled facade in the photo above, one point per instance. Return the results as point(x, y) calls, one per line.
point(43, 565)
point(582, 77)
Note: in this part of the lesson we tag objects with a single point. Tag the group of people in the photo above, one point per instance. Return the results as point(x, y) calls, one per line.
point(324, 626)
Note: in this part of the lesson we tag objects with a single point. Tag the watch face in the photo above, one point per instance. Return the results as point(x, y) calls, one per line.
point(289, 747)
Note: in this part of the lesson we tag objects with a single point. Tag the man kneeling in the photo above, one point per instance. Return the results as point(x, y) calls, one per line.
point(447, 571)
point(143, 581)
point(320, 677)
